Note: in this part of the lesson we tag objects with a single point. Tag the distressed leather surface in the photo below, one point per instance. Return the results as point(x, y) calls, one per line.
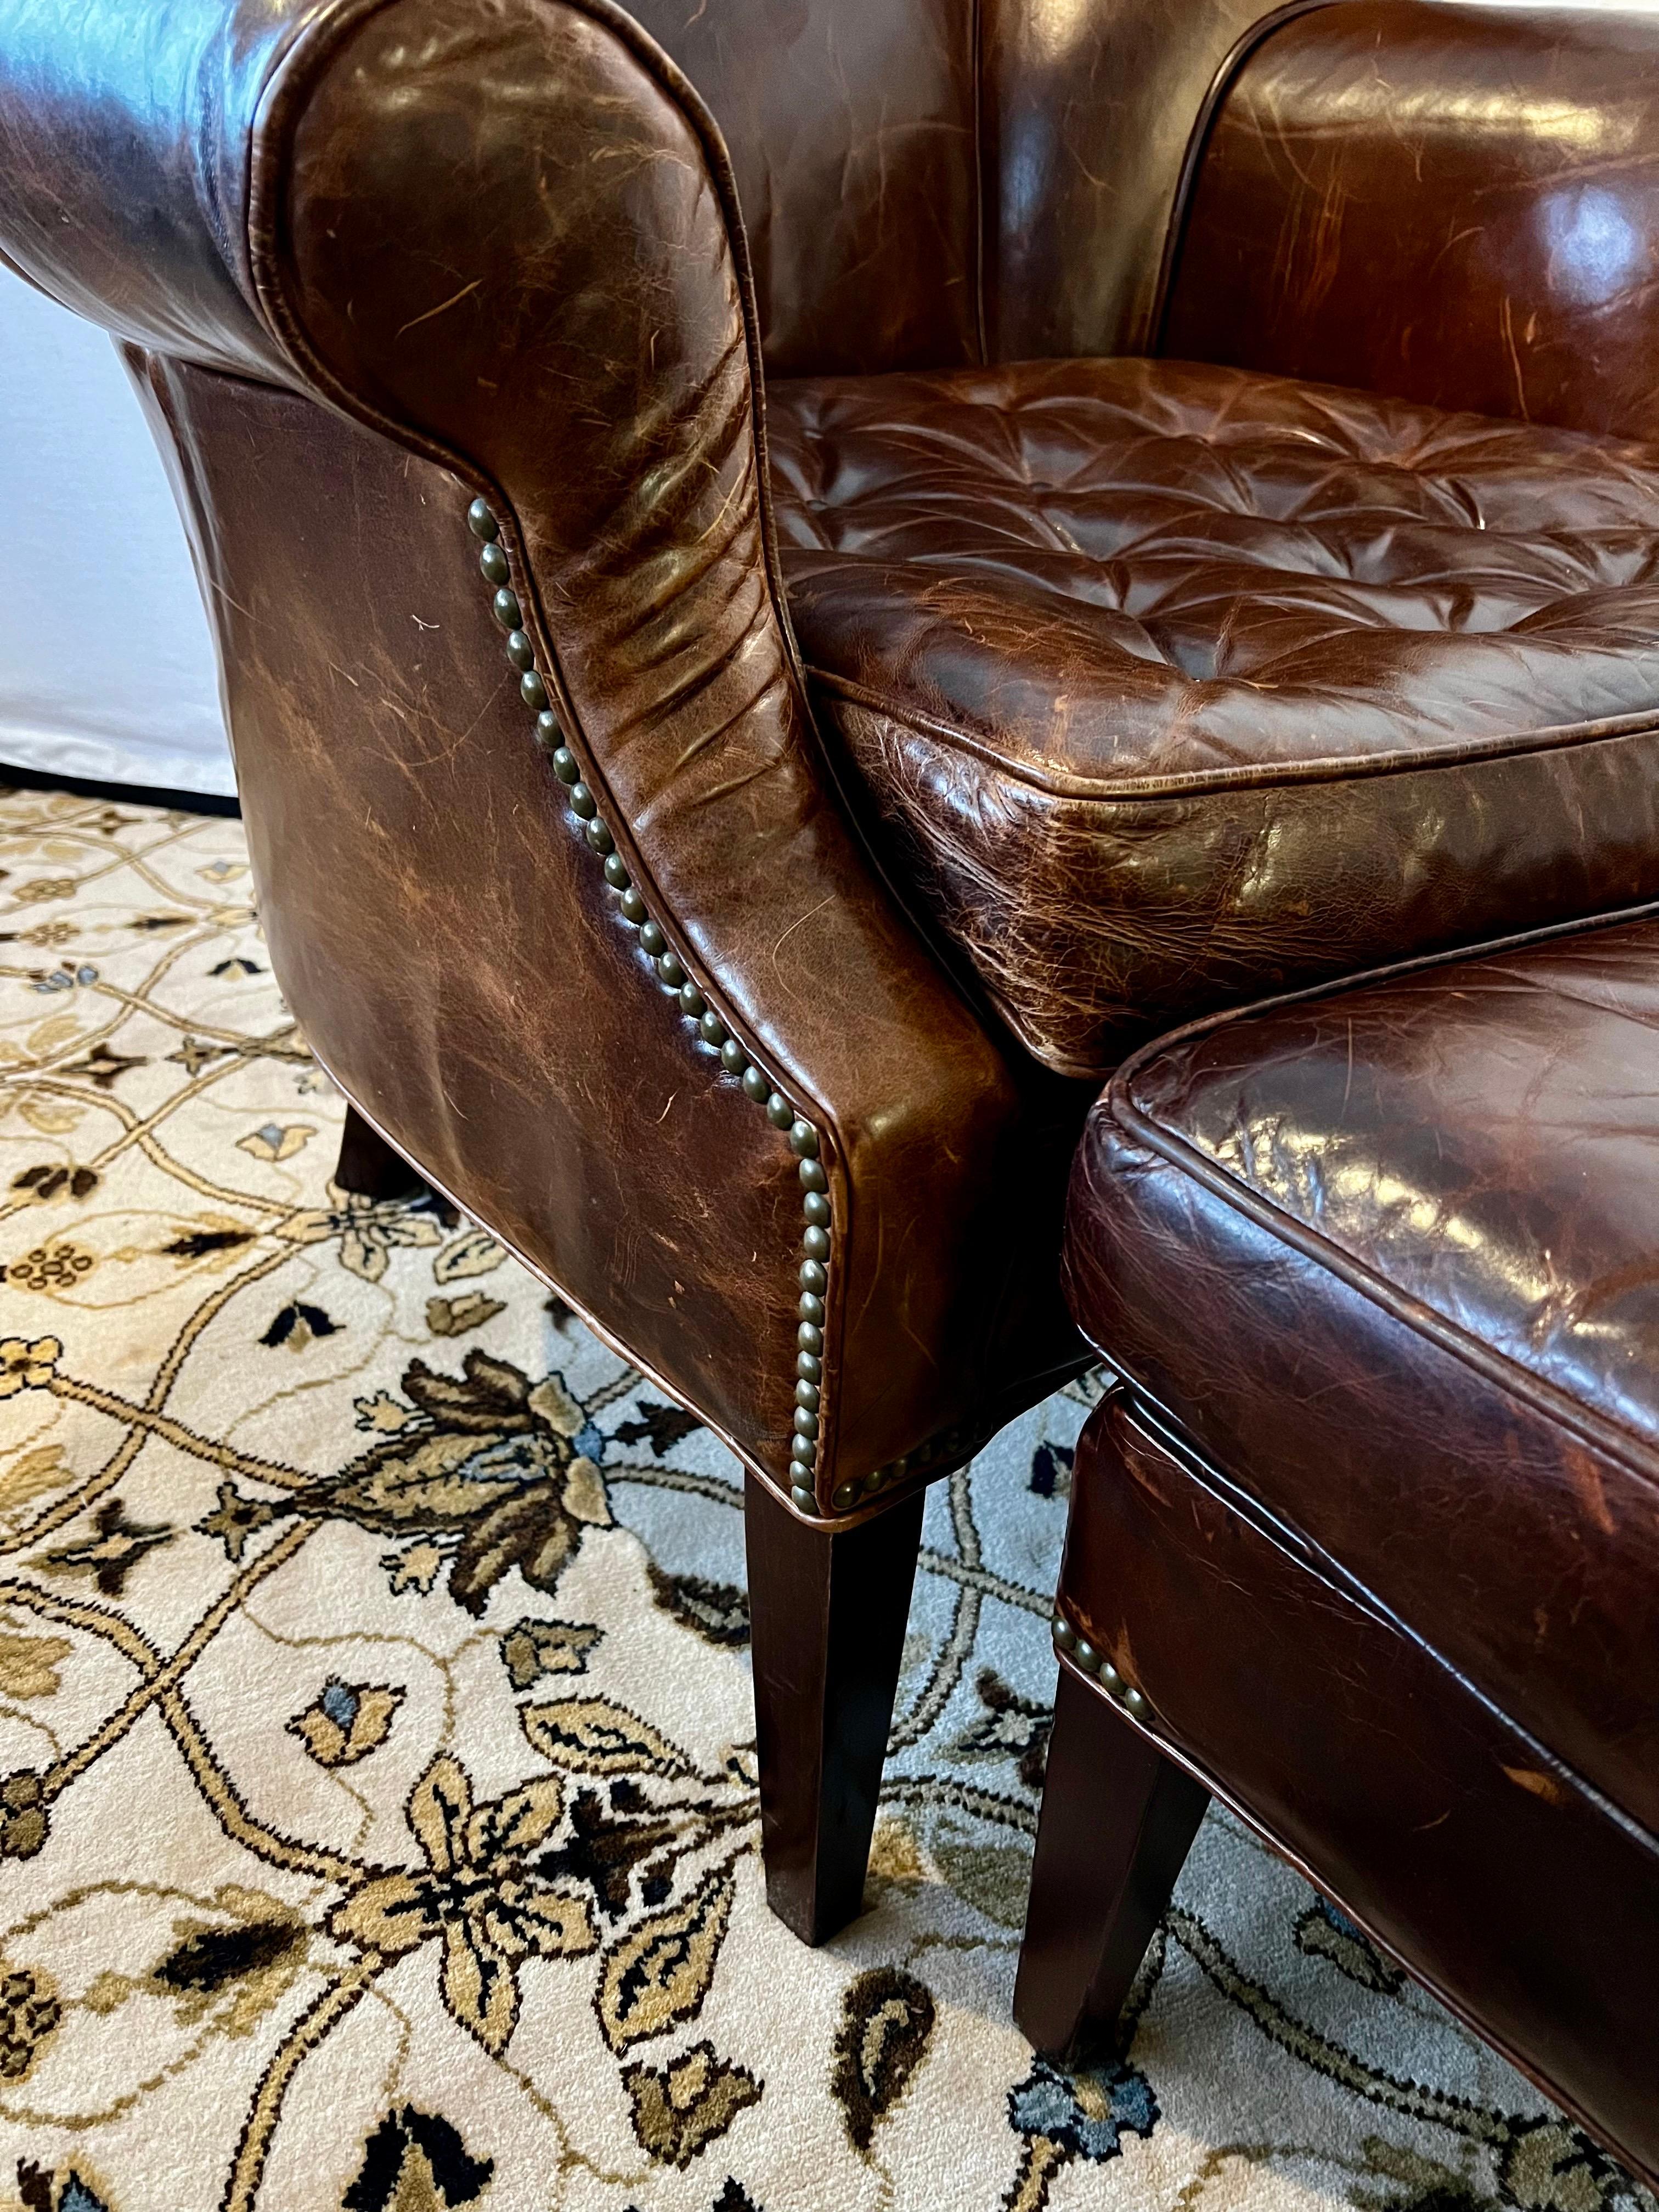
point(1171, 685)
point(1411, 1799)
point(124, 149)
point(930, 184)
point(1387, 1254)
point(907, 170)
point(503, 243)
point(854, 152)
point(1087, 111)
point(1458, 204)
point(598, 377)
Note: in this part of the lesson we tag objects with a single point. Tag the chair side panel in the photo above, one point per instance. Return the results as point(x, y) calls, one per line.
point(1415, 1802)
point(437, 922)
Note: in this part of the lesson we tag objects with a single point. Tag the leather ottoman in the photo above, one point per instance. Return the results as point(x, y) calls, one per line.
point(1366, 1541)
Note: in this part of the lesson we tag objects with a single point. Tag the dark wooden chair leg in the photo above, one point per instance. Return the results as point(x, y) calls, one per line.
point(368, 1167)
point(827, 1613)
point(1118, 1819)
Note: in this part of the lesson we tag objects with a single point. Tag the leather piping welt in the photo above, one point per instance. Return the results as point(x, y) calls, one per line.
point(803, 1138)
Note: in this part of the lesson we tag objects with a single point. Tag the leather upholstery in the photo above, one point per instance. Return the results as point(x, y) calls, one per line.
point(125, 143)
point(497, 251)
point(594, 377)
point(906, 170)
point(1456, 204)
point(1387, 1255)
point(1086, 114)
point(1407, 1795)
point(852, 131)
point(1171, 685)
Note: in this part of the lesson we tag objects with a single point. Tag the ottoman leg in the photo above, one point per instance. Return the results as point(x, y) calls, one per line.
point(368, 1166)
point(827, 1616)
point(1118, 1819)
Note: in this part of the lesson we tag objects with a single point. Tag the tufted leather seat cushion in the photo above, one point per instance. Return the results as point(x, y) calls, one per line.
point(1390, 1257)
point(1172, 686)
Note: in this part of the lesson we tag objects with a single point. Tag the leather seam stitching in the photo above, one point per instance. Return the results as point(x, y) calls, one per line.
point(1200, 782)
point(1621, 1444)
point(1242, 51)
point(1139, 1410)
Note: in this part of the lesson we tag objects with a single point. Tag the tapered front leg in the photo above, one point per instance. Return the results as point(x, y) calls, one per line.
point(828, 1614)
point(369, 1167)
point(1118, 1819)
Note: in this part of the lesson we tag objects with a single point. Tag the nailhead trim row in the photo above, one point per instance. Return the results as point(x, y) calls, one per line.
point(802, 1137)
point(1083, 1657)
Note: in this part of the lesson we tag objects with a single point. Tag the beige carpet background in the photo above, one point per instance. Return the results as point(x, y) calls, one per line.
point(377, 1822)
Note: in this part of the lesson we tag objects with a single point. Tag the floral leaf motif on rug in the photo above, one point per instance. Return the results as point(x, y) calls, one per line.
point(379, 1822)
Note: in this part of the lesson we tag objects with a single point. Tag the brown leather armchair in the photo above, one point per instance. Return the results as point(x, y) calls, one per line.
point(729, 875)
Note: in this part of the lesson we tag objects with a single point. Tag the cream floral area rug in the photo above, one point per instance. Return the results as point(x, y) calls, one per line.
point(377, 1817)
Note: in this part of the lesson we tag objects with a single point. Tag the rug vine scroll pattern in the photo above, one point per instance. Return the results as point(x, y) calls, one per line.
point(378, 1820)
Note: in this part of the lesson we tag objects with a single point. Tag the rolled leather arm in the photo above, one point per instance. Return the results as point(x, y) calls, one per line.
point(580, 985)
point(1456, 204)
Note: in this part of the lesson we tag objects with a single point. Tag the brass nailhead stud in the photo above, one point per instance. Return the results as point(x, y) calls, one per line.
point(847, 1495)
point(1135, 1706)
point(874, 1481)
point(1110, 1679)
point(803, 1138)
point(1065, 1634)
point(1086, 1657)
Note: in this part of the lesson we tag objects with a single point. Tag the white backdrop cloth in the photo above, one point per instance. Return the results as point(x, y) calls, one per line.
point(106, 667)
